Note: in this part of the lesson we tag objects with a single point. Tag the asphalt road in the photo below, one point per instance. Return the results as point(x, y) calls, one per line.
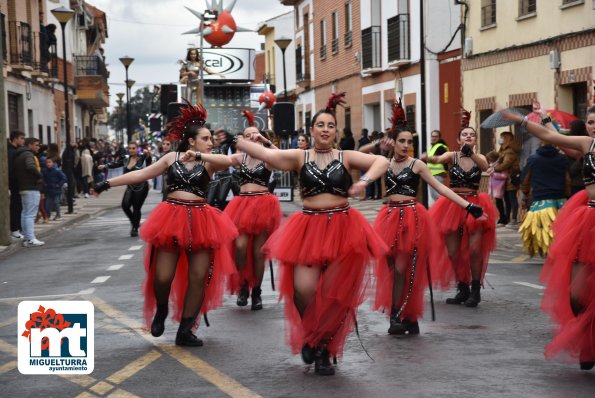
point(495, 350)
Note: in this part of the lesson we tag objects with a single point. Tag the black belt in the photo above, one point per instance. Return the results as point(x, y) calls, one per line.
point(185, 202)
point(331, 210)
point(254, 193)
point(591, 203)
point(402, 203)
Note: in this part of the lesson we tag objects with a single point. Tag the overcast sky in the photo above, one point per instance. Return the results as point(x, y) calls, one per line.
point(150, 31)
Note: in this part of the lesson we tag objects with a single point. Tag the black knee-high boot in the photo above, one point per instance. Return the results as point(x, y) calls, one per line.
point(322, 363)
point(185, 337)
point(256, 299)
point(475, 296)
point(158, 325)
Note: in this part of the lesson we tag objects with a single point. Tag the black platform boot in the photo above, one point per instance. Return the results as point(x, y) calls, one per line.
point(243, 296)
point(462, 295)
point(256, 299)
point(158, 325)
point(475, 297)
point(134, 231)
point(308, 354)
point(185, 337)
point(411, 327)
point(396, 326)
point(322, 363)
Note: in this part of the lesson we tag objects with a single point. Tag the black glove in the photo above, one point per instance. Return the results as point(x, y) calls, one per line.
point(474, 210)
point(102, 186)
point(467, 150)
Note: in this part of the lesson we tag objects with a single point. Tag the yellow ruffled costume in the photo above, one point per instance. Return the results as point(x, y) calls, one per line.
point(536, 228)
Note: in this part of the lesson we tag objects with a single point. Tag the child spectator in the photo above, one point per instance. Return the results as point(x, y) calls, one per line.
point(54, 179)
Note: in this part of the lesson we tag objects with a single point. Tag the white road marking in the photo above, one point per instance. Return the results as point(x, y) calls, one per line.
point(137, 247)
point(489, 274)
point(115, 267)
point(87, 291)
point(38, 297)
point(125, 256)
point(534, 286)
point(100, 279)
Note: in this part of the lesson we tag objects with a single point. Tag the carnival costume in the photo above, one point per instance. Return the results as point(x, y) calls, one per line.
point(135, 194)
point(574, 243)
point(187, 226)
point(253, 213)
point(337, 238)
point(451, 218)
point(415, 246)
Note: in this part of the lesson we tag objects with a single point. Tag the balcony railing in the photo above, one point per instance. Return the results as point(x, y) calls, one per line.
point(20, 37)
point(90, 65)
point(488, 14)
point(323, 52)
point(398, 38)
point(371, 48)
point(335, 46)
point(348, 39)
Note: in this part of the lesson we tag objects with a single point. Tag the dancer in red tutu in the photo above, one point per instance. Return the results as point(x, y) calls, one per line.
point(569, 270)
point(469, 240)
point(187, 240)
point(415, 244)
point(256, 213)
point(324, 251)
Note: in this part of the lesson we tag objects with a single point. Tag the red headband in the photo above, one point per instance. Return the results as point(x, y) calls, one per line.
point(398, 119)
point(190, 115)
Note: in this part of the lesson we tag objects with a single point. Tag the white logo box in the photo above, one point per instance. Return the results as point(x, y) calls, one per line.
point(78, 358)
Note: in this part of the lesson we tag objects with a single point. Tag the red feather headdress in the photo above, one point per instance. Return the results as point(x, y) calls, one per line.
point(249, 117)
point(465, 118)
point(334, 100)
point(398, 119)
point(190, 115)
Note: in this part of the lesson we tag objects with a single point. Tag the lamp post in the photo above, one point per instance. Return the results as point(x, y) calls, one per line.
point(283, 43)
point(120, 103)
point(126, 61)
point(129, 133)
point(63, 15)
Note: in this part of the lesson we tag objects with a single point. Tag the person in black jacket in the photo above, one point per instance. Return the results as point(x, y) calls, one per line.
point(545, 178)
point(17, 139)
point(135, 195)
point(29, 180)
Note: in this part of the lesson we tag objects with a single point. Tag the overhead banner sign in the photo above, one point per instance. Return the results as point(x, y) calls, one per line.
point(237, 64)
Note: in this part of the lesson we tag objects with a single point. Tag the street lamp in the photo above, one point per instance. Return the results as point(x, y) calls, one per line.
point(119, 124)
point(126, 61)
point(63, 15)
point(283, 43)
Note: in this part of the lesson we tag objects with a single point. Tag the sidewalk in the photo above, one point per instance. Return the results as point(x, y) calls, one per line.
point(83, 209)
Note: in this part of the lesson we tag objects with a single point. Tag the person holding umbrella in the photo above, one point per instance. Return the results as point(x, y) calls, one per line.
point(569, 270)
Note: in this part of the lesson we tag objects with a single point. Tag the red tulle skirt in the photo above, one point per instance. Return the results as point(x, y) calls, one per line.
point(451, 218)
point(413, 241)
point(342, 245)
point(186, 229)
point(574, 242)
point(252, 215)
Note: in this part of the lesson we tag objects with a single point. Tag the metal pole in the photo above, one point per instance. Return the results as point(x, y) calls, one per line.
point(4, 197)
point(128, 126)
point(69, 172)
point(201, 63)
point(284, 75)
point(422, 65)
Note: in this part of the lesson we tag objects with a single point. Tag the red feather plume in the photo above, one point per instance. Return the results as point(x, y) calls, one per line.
point(190, 115)
point(465, 118)
point(334, 100)
point(249, 117)
point(398, 119)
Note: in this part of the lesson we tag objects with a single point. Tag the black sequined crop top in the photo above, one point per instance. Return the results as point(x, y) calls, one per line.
point(195, 181)
point(589, 166)
point(334, 179)
point(460, 178)
point(259, 175)
point(404, 183)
